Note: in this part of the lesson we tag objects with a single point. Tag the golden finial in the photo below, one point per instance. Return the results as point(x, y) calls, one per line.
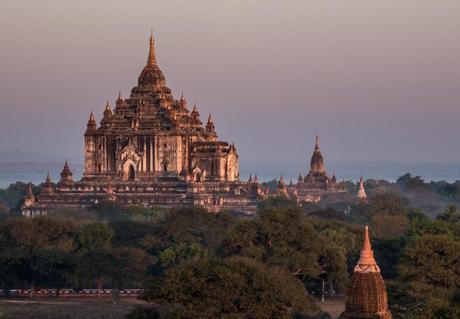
point(151, 60)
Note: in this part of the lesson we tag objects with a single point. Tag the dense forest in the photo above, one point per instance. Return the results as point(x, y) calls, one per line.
point(271, 265)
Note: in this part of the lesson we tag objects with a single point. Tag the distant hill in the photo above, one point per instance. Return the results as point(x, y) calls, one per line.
point(18, 156)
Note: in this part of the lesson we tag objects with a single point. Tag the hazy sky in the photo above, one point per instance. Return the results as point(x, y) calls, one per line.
point(378, 80)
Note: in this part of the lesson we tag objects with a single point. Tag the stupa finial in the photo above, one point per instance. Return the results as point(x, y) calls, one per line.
point(151, 60)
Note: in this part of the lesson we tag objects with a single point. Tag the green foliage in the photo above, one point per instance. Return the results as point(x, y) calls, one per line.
point(200, 264)
point(433, 260)
point(285, 238)
point(429, 269)
point(180, 253)
point(233, 288)
point(190, 226)
point(55, 253)
point(95, 236)
point(35, 251)
point(386, 214)
point(409, 182)
point(450, 215)
point(280, 202)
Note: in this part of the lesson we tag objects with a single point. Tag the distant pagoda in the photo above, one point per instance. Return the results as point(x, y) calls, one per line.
point(317, 182)
point(366, 296)
point(361, 195)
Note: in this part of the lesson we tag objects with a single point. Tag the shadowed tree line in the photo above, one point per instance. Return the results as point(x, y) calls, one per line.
point(200, 265)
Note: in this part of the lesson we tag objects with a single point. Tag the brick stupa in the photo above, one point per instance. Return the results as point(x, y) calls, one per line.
point(366, 296)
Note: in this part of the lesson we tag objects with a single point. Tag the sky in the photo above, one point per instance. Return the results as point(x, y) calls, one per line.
point(377, 80)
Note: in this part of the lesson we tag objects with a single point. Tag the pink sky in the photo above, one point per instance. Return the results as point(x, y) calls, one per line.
point(378, 80)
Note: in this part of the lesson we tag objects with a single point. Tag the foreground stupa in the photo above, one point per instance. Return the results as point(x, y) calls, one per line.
point(151, 150)
point(366, 296)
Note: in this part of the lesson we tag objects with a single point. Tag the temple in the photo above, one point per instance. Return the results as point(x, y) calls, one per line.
point(366, 296)
point(317, 182)
point(361, 194)
point(149, 149)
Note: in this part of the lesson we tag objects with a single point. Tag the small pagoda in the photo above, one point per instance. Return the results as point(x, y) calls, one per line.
point(367, 295)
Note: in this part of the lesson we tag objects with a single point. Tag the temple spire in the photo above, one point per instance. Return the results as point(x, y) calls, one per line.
point(29, 190)
point(317, 143)
point(281, 181)
point(361, 191)
point(151, 60)
point(366, 261)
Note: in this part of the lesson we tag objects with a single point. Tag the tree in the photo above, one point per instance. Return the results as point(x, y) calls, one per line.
point(285, 238)
point(188, 226)
point(433, 260)
point(94, 236)
point(233, 288)
point(450, 214)
point(36, 250)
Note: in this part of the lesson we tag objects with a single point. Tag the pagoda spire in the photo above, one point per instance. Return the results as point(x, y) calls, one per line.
point(151, 60)
point(48, 178)
point(317, 143)
point(281, 181)
point(29, 190)
point(366, 262)
point(361, 191)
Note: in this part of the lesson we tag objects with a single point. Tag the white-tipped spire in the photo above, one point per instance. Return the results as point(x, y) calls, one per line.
point(361, 191)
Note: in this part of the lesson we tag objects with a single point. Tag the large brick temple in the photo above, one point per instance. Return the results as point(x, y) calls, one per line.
point(151, 150)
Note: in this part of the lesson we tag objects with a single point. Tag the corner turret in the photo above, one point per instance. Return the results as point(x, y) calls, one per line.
point(91, 126)
point(66, 176)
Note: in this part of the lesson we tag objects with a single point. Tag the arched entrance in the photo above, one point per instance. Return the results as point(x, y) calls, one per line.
point(131, 173)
